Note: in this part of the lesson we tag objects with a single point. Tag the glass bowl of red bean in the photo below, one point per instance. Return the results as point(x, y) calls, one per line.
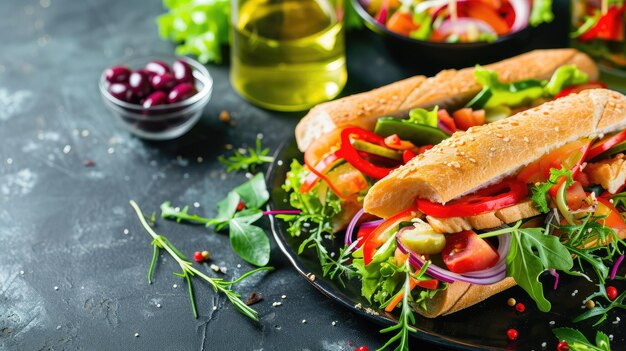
point(157, 98)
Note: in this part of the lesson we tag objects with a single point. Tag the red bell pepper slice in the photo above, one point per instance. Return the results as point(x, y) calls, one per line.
point(382, 233)
point(352, 155)
point(504, 194)
point(447, 121)
point(605, 144)
point(610, 26)
point(317, 172)
point(575, 89)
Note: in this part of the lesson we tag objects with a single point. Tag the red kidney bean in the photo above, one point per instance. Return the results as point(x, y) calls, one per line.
point(154, 99)
point(182, 71)
point(181, 92)
point(117, 74)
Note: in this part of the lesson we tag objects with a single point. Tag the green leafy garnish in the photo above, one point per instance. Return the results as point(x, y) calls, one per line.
point(247, 240)
point(423, 116)
point(316, 217)
point(599, 310)
point(619, 200)
point(247, 160)
point(576, 341)
point(541, 12)
point(406, 316)
point(532, 252)
point(540, 191)
point(188, 271)
point(341, 267)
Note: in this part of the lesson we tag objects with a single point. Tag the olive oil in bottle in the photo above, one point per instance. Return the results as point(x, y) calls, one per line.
point(287, 55)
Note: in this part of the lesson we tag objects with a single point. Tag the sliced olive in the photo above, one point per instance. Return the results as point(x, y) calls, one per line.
point(422, 239)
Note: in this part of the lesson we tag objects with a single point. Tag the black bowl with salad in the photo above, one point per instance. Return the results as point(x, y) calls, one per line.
point(439, 34)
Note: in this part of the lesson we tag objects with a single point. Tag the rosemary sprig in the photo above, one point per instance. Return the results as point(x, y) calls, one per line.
point(188, 271)
point(247, 160)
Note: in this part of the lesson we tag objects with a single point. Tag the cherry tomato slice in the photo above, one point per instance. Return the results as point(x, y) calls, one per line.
point(317, 172)
point(606, 143)
point(575, 89)
point(382, 233)
point(504, 194)
point(467, 252)
point(575, 196)
point(466, 118)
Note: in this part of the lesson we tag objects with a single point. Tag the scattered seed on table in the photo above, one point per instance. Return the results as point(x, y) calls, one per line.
point(136, 335)
point(175, 286)
point(56, 288)
point(126, 232)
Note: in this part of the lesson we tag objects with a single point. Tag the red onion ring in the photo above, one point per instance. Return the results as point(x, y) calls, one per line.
point(279, 212)
point(522, 14)
point(460, 25)
point(443, 127)
point(616, 266)
point(348, 238)
point(485, 277)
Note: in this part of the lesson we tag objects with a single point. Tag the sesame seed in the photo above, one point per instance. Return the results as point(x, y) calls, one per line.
point(304, 321)
point(490, 154)
point(544, 345)
point(175, 286)
point(214, 267)
point(22, 272)
point(334, 323)
point(610, 337)
point(56, 288)
point(200, 159)
point(223, 270)
point(506, 139)
point(196, 204)
point(312, 277)
point(552, 322)
point(575, 292)
point(556, 129)
point(110, 150)
point(158, 305)
point(280, 162)
point(472, 160)
point(214, 308)
point(67, 149)
point(9, 161)
point(499, 135)
point(492, 149)
point(136, 335)
point(526, 139)
point(283, 297)
point(84, 133)
point(276, 304)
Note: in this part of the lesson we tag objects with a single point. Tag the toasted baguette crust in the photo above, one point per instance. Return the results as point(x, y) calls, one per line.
point(450, 87)
point(483, 155)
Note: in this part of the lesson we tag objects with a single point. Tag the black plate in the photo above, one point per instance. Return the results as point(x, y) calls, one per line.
point(482, 326)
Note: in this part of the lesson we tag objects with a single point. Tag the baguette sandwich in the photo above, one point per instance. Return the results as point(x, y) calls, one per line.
point(555, 166)
point(449, 89)
point(410, 116)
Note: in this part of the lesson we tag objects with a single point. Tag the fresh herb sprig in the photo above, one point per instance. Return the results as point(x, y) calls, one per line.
point(341, 267)
point(188, 271)
point(599, 310)
point(247, 240)
point(316, 215)
point(576, 341)
point(540, 191)
point(248, 159)
point(406, 316)
point(531, 253)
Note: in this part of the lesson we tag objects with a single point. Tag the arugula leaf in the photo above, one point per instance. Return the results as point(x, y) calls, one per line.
point(619, 199)
point(248, 241)
point(531, 253)
point(423, 116)
point(540, 191)
point(169, 212)
point(247, 160)
point(254, 192)
point(576, 341)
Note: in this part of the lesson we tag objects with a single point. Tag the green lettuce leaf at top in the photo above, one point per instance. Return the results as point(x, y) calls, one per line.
point(423, 116)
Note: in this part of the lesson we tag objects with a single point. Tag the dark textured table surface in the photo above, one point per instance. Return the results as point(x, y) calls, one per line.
point(73, 257)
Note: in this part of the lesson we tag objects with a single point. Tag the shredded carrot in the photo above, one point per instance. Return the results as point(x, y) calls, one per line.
point(396, 300)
